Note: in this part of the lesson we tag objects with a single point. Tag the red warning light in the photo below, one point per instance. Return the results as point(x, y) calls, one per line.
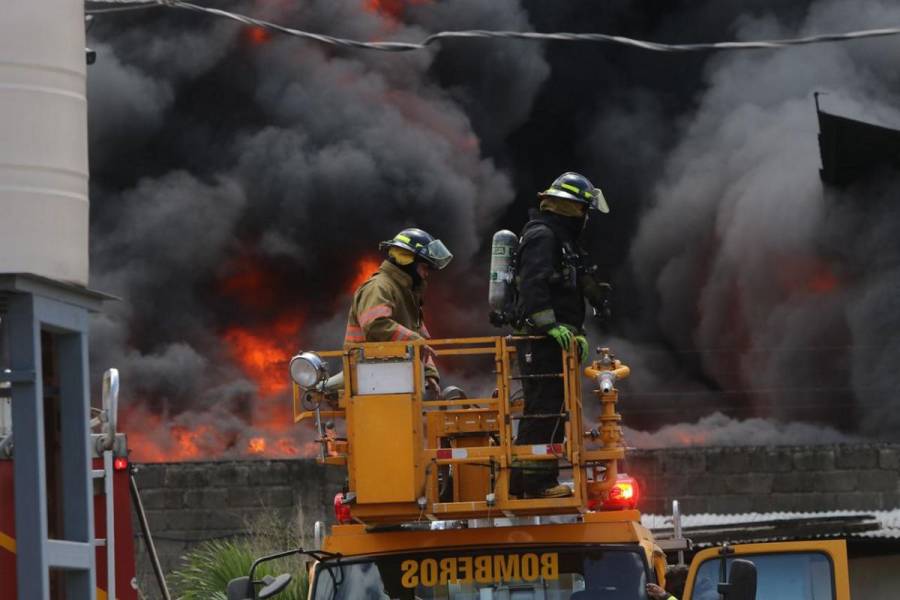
point(120, 463)
point(341, 510)
point(623, 495)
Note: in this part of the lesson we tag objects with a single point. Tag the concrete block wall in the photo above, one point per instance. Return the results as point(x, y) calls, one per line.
point(766, 479)
point(188, 503)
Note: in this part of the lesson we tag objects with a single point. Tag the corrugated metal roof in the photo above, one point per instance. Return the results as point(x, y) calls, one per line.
point(707, 529)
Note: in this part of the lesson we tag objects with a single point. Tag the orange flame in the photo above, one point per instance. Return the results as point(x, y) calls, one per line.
point(143, 447)
point(287, 447)
point(256, 445)
point(261, 348)
point(264, 353)
point(187, 441)
point(364, 269)
point(151, 438)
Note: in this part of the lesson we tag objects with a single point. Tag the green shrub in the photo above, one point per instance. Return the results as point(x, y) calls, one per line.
point(207, 569)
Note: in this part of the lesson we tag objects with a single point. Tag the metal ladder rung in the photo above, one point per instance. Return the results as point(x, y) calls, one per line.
point(98, 473)
point(99, 541)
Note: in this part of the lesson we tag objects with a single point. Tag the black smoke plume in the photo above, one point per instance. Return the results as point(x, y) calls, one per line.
point(781, 290)
point(239, 177)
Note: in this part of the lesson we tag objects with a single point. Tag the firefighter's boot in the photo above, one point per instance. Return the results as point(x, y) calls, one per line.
point(557, 491)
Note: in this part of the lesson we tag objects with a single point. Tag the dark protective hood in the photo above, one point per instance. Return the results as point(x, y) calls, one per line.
point(570, 226)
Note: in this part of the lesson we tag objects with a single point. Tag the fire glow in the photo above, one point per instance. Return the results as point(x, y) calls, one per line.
point(364, 269)
point(822, 281)
point(261, 348)
point(256, 445)
point(257, 35)
point(250, 284)
point(390, 8)
point(263, 354)
point(152, 440)
point(807, 275)
point(271, 434)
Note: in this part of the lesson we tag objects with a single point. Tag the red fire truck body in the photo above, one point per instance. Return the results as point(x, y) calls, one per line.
point(123, 533)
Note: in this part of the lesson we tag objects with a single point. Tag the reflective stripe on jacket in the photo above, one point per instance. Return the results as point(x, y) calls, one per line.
point(387, 308)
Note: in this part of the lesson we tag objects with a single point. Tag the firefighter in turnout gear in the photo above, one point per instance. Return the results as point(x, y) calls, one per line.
point(389, 305)
point(553, 280)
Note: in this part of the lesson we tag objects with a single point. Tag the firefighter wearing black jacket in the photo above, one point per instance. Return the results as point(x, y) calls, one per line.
point(552, 280)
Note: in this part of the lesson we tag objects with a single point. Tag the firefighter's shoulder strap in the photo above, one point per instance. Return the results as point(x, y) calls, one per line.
point(571, 264)
point(568, 247)
point(574, 269)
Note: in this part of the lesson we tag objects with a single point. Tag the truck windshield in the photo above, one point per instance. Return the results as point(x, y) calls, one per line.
point(780, 576)
point(488, 574)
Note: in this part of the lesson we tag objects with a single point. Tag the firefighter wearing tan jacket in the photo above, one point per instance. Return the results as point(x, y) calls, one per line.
point(388, 306)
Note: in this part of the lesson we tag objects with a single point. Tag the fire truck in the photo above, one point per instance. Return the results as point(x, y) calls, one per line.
point(426, 511)
point(113, 486)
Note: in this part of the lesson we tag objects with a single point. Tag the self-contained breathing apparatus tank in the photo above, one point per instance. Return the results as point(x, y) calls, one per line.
point(502, 285)
point(501, 289)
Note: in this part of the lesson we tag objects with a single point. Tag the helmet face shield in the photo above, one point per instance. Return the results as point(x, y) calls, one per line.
point(422, 245)
point(598, 201)
point(577, 188)
point(437, 254)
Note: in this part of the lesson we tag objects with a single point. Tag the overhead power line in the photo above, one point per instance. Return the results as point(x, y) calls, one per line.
point(100, 11)
point(516, 35)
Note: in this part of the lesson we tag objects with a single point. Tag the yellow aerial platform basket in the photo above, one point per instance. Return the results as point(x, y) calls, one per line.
point(399, 447)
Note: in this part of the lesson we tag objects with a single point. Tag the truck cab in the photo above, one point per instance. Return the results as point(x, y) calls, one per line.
point(426, 511)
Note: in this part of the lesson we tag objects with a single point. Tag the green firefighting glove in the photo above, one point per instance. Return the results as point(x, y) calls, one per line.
point(562, 335)
point(583, 348)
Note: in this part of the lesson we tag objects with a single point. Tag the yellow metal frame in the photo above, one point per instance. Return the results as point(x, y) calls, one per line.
point(614, 527)
point(487, 425)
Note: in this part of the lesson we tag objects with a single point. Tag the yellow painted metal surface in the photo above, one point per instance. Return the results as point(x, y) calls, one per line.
point(399, 446)
point(381, 432)
point(354, 540)
point(7, 542)
point(469, 482)
point(621, 372)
